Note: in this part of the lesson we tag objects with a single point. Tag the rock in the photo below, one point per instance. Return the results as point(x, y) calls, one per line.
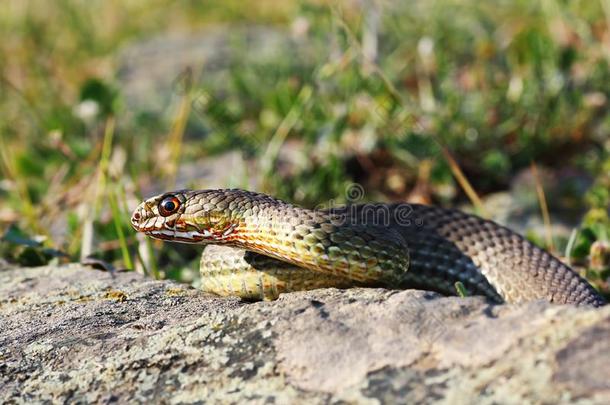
point(80, 335)
point(519, 207)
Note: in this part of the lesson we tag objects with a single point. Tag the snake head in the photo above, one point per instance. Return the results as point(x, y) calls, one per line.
point(184, 216)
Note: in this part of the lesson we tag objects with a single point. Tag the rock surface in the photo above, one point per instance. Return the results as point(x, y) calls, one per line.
point(72, 334)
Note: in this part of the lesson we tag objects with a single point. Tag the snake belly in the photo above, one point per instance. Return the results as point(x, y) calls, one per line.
point(261, 247)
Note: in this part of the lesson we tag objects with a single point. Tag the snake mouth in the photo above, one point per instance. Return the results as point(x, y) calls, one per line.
point(179, 236)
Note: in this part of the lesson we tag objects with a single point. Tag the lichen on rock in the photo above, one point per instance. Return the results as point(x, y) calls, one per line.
point(74, 334)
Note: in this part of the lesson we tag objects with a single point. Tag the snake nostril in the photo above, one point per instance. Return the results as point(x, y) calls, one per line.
point(136, 216)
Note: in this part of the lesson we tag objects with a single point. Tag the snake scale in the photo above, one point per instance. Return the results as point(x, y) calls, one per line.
point(261, 247)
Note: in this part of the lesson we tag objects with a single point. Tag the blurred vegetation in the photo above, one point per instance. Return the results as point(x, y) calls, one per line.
point(451, 88)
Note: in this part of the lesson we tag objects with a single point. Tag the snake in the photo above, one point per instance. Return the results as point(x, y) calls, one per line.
point(258, 247)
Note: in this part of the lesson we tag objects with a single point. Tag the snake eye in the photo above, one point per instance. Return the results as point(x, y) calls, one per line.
point(168, 206)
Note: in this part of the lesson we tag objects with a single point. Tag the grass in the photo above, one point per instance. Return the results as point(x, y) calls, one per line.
point(460, 100)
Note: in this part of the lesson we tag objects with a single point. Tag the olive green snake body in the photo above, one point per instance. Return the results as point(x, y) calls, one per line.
point(261, 247)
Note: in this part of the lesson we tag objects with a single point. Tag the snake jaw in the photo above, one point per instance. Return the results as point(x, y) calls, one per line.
point(173, 228)
point(178, 236)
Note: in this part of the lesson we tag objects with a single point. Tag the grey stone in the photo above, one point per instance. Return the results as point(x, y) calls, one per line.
point(72, 334)
point(152, 72)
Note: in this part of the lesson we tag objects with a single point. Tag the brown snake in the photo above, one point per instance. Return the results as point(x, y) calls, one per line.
point(267, 247)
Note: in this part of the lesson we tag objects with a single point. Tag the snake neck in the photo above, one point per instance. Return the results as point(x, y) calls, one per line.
point(318, 240)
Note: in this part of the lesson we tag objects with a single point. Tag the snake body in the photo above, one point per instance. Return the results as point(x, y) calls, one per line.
point(261, 247)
